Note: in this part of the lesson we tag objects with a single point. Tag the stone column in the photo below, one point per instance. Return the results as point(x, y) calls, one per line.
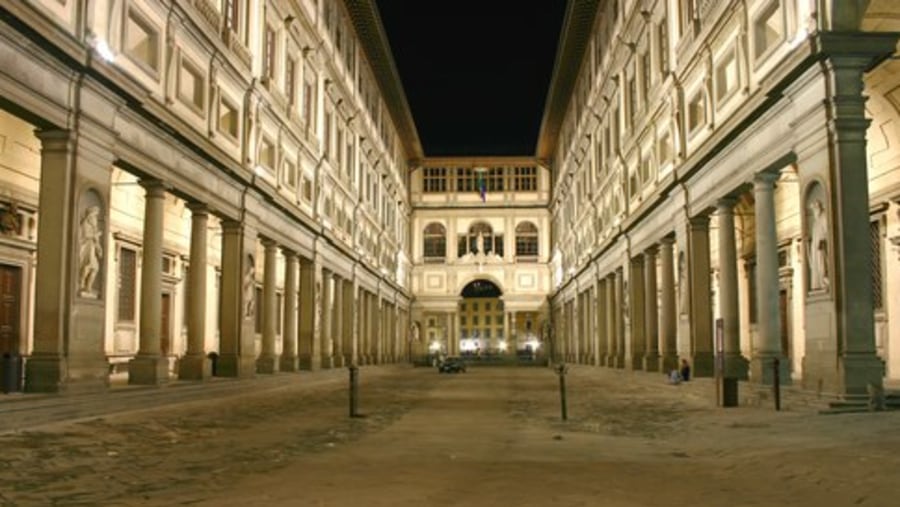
point(195, 365)
point(618, 314)
point(668, 360)
point(611, 304)
point(69, 331)
point(289, 333)
point(268, 358)
point(575, 330)
point(735, 364)
point(768, 346)
point(602, 327)
point(638, 337)
point(840, 352)
point(651, 315)
point(149, 366)
point(364, 331)
point(338, 327)
point(237, 335)
point(702, 363)
point(350, 323)
point(379, 329)
point(327, 311)
point(310, 315)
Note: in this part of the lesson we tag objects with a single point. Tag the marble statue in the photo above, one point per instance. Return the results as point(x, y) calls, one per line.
point(90, 250)
point(817, 249)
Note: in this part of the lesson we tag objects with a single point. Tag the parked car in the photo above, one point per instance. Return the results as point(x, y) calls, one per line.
point(452, 365)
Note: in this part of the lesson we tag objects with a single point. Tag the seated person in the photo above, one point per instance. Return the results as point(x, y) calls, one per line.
point(685, 371)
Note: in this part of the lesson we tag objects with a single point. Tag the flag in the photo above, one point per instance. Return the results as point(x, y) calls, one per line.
point(482, 186)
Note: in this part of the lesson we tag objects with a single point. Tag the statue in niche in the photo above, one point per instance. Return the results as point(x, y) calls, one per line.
point(414, 332)
point(90, 250)
point(817, 248)
point(479, 244)
point(249, 288)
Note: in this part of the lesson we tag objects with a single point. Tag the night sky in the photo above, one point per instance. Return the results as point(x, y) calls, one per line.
point(475, 72)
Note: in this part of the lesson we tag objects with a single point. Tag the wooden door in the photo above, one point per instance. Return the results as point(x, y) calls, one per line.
point(10, 301)
point(165, 331)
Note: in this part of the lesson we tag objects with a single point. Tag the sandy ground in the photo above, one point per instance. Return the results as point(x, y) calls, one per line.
point(491, 436)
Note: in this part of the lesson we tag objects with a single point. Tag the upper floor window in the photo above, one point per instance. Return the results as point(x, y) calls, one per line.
point(232, 12)
point(525, 179)
point(290, 81)
point(141, 41)
point(269, 54)
point(768, 29)
point(526, 242)
point(480, 239)
point(434, 179)
point(434, 243)
point(726, 79)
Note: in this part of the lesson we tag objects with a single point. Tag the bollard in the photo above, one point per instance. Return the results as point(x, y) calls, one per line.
point(354, 390)
point(561, 371)
point(776, 384)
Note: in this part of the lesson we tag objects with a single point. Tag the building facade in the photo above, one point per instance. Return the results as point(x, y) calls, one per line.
point(725, 182)
point(187, 178)
point(243, 178)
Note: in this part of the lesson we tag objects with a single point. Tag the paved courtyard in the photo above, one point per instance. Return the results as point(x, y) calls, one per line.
point(491, 436)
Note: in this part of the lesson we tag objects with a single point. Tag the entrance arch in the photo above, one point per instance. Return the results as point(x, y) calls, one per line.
point(482, 322)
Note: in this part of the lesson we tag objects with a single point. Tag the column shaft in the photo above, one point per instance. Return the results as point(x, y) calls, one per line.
point(638, 336)
point(700, 304)
point(326, 310)
point(668, 330)
point(651, 312)
point(194, 365)
point(338, 319)
point(268, 358)
point(735, 365)
point(289, 333)
point(310, 320)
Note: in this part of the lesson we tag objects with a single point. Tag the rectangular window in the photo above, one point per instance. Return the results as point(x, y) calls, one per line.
point(290, 81)
point(232, 11)
point(228, 118)
point(434, 179)
point(525, 179)
point(662, 41)
point(267, 154)
point(646, 76)
point(269, 54)
point(307, 189)
point(127, 277)
point(768, 30)
point(696, 116)
point(309, 98)
point(289, 175)
point(726, 77)
point(141, 41)
point(191, 85)
point(326, 135)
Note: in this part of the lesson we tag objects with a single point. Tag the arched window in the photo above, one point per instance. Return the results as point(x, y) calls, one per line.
point(480, 239)
point(434, 243)
point(526, 242)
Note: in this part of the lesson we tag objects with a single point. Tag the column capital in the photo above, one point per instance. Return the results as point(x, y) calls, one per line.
point(764, 181)
point(699, 222)
point(288, 253)
point(651, 251)
point(726, 205)
point(197, 207)
point(55, 139)
point(268, 243)
point(667, 241)
point(153, 187)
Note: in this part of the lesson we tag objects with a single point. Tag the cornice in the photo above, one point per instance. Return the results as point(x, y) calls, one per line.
point(573, 43)
point(372, 37)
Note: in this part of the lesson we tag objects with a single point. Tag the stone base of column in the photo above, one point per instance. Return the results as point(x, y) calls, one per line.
point(620, 362)
point(267, 364)
point(651, 362)
point(45, 374)
point(194, 367)
point(635, 363)
point(233, 365)
point(309, 363)
point(326, 362)
point(703, 364)
point(736, 366)
point(609, 361)
point(668, 362)
point(762, 370)
point(340, 361)
point(852, 375)
point(288, 363)
point(148, 370)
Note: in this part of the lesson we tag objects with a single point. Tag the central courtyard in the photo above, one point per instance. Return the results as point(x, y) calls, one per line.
point(490, 436)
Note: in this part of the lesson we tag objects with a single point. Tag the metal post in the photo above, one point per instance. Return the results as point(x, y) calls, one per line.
point(561, 371)
point(776, 384)
point(354, 390)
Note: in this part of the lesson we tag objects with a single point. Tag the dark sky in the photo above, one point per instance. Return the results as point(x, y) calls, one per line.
point(475, 72)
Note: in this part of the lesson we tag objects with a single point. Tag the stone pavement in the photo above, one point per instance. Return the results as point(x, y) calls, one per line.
point(491, 436)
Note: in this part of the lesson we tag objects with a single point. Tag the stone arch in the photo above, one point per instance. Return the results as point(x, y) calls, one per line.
point(476, 277)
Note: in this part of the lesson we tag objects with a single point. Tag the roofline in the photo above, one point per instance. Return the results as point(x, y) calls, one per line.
point(478, 161)
point(373, 38)
point(573, 43)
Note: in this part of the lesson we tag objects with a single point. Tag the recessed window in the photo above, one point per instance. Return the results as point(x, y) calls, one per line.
point(696, 112)
point(228, 118)
point(191, 85)
point(141, 41)
point(665, 148)
point(435, 179)
point(307, 189)
point(525, 179)
point(290, 81)
point(526, 241)
point(646, 168)
point(434, 243)
point(267, 154)
point(289, 175)
point(726, 77)
point(768, 30)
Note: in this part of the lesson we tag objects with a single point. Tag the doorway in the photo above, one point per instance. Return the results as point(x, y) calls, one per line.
point(10, 308)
